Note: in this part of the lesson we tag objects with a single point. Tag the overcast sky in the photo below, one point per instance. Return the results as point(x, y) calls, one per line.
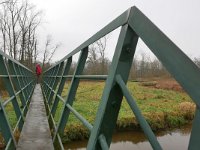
point(71, 22)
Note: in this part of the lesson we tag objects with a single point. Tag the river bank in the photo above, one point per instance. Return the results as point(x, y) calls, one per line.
point(128, 140)
point(162, 108)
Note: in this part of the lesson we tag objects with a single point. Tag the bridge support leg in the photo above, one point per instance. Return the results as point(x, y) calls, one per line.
point(194, 143)
point(72, 92)
point(112, 95)
point(61, 86)
point(55, 83)
point(11, 91)
point(6, 129)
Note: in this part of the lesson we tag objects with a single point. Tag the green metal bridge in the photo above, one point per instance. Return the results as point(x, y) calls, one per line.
point(35, 119)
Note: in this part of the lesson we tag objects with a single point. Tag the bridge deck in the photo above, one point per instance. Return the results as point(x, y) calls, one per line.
point(36, 133)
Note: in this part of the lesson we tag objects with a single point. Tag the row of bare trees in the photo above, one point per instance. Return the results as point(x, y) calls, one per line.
point(19, 23)
point(97, 62)
point(147, 67)
point(144, 66)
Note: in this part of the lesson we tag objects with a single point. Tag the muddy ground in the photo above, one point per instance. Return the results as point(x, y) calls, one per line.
point(162, 83)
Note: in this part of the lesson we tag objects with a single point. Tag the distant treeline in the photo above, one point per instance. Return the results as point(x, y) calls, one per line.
point(145, 67)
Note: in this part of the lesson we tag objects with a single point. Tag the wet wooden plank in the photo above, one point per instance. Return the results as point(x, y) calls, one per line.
point(36, 132)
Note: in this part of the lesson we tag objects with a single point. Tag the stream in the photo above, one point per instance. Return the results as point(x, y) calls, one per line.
point(135, 140)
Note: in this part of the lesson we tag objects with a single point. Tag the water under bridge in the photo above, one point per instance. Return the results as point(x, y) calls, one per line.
point(35, 119)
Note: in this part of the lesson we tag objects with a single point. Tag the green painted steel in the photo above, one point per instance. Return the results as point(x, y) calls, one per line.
point(134, 24)
point(19, 82)
point(6, 128)
point(61, 85)
point(55, 82)
point(72, 90)
point(143, 123)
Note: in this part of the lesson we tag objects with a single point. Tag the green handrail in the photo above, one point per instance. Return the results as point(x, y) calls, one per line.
point(19, 82)
point(134, 24)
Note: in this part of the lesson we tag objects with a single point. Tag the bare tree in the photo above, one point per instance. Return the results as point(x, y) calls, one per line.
point(134, 68)
point(97, 61)
point(49, 51)
point(3, 25)
point(24, 29)
point(36, 53)
point(92, 62)
point(101, 43)
point(14, 33)
point(19, 22)
point(29, 20)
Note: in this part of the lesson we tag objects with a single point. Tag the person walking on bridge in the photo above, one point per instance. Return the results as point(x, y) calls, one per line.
point(38, 71)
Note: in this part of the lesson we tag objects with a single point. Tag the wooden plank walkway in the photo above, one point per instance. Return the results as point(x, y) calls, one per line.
point(36, 133)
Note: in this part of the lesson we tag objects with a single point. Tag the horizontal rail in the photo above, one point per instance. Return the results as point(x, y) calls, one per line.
point(14, 76)
point(61, 98)
point(82, 119)
point(78, 116)
point(13, 60)
point(92, 77)
point(85, 122)
point(19, 83)
point(88, 77)
point(11, 98)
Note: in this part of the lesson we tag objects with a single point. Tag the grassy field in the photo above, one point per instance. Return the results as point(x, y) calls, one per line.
point(161, 108)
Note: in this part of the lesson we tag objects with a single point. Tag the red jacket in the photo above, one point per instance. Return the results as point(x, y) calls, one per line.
point(38, 70)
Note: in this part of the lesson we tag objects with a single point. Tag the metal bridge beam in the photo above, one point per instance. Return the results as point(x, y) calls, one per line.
point(112, 96)
point(19, 83)
point(72, 91)
point(134, 24)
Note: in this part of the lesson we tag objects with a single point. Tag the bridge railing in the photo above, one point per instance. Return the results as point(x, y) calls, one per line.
point(134, 24)
point(19, 82)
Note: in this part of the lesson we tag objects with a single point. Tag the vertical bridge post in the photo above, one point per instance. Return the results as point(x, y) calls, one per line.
point(112, 96)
